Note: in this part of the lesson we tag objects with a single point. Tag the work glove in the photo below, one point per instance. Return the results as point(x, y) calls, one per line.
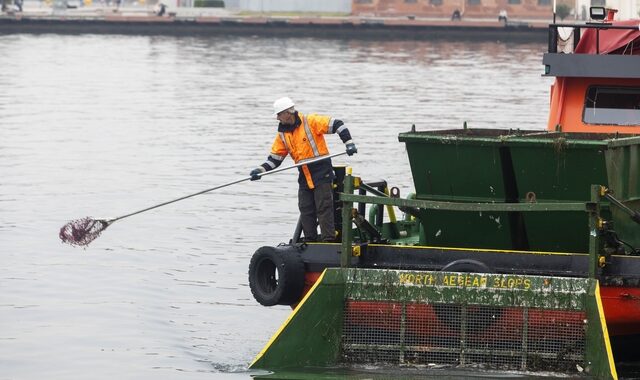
point(351, 149)
point(255, 174)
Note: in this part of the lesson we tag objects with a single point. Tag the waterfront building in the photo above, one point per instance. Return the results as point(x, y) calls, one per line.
point(488, 9)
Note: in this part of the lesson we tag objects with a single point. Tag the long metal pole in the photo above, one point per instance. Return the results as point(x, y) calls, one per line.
point(301, 163)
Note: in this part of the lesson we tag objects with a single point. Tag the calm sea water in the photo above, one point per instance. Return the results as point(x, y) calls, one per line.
point(105, 125)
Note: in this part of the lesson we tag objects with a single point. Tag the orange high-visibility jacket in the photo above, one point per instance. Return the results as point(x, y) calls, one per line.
point(304, 141)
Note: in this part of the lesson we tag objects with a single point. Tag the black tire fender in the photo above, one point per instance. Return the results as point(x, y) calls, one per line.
point(276, 276)
point(466, 266)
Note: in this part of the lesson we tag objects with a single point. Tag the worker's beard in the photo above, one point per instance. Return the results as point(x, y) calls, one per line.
point(289, 127)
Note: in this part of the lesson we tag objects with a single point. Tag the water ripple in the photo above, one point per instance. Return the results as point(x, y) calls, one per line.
point(106, 125)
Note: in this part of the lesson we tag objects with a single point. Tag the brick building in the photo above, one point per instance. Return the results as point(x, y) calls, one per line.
point(520, 9)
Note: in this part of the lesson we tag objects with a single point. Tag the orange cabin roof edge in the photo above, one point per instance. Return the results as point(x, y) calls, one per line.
point(597, 86)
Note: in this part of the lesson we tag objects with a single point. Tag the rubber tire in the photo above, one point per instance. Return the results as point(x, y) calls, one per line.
point(276, 276)
point(449, 314)
point(466, 266)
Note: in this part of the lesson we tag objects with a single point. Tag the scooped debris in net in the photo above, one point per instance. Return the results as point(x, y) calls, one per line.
point(83, 231)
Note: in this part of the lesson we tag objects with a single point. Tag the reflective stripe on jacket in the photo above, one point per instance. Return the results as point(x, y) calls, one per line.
point(306, 142)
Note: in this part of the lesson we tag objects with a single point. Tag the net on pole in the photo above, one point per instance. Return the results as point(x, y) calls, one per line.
point(81, 232)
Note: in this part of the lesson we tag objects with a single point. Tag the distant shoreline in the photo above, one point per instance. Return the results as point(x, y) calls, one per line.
point(320, 27)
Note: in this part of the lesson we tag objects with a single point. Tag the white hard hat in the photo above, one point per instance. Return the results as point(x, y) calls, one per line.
point(281, 105)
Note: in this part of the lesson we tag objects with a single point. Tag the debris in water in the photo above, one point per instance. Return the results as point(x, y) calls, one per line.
point(81, 232)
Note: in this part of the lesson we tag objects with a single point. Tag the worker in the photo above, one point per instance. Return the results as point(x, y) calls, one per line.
point(302, 137)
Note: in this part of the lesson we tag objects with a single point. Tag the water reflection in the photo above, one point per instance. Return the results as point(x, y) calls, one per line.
point(442, 52)
point(105, 125)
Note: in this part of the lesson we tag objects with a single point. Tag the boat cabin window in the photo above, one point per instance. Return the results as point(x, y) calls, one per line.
point(612, 106)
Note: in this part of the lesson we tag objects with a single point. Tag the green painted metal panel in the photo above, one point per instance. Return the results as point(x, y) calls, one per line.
point(598, 355)
point(443, 168)
point(522, 292)
point(459, 169)
point(311, 336)
point(347, 231)
point(623, 174)
point(476, 207)
point(314, 336)
point(521, 166)
point(553, 293)
point(557, 170)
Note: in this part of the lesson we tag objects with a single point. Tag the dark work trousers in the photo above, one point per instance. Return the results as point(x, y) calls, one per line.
point(316, 207)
